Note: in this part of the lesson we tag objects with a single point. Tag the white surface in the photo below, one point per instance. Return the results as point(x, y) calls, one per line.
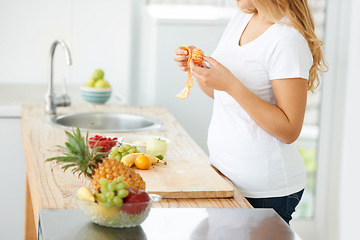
point(97, 33)
point(160, 79)
point(350, 160)
point(12, 178)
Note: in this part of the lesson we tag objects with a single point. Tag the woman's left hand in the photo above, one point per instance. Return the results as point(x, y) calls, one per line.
point(216, 76)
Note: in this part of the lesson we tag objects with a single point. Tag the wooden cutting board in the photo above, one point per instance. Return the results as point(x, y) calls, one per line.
point(186, 178)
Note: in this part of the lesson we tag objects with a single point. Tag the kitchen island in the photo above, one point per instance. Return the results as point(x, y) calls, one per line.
point(48, 187)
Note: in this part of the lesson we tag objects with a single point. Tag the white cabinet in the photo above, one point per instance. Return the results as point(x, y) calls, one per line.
point(12, 179)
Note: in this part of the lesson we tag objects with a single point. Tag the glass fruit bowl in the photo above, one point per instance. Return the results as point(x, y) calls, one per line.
point(105, 142)
point(126, 215)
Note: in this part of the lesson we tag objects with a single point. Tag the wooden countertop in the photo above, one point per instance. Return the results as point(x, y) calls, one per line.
point(48, 187)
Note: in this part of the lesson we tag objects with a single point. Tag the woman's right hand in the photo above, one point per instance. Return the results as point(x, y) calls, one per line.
point(181, 58)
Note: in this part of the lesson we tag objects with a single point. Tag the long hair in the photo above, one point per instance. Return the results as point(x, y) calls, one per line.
point(298, 11)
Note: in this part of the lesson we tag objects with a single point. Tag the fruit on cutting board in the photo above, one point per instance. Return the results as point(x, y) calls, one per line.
point(143, 162)
point(119, 152)
point(156, 147)
point(82, 159)
point(129, 160)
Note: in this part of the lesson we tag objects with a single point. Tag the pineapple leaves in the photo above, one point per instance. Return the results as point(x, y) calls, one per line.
point(77, 155)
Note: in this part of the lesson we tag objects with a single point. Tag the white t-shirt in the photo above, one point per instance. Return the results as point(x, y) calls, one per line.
point(258, 164)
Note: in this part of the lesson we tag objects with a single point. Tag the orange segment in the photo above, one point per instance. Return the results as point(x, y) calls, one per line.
point(184, 93)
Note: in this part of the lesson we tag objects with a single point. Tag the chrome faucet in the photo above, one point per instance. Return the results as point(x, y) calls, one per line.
point(51, 101)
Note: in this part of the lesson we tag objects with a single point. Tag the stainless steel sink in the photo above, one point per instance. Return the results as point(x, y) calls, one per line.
point(106, 122)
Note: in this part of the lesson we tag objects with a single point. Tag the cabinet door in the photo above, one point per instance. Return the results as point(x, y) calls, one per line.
point(12, 180)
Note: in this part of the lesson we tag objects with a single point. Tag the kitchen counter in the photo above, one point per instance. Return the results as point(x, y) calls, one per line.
point(174, 224)
point(48, 187)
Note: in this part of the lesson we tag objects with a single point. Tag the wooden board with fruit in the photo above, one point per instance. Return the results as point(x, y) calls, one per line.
point(187, 171)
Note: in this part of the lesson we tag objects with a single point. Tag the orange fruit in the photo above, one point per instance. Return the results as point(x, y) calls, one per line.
point(197, 56)
point(143, 162)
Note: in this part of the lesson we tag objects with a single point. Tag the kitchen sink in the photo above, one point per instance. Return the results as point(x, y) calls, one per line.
point(106, 122)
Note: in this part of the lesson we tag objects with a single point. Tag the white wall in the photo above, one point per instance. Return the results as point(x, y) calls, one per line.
point(339, 165)
point(160, 79)
point(97, 32)
point(350, 157)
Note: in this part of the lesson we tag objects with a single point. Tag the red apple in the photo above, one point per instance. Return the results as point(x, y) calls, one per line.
point(135, 202)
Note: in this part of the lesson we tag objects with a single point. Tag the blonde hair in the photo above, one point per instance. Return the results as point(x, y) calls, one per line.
point(298, 11)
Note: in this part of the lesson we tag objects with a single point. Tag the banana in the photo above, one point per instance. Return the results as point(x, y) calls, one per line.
point(129, 160)
point(85, 194)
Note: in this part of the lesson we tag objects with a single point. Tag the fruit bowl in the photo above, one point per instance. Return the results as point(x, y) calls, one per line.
point(105, 142)
point(124, 216)
point(140, 141)
point(96, 95)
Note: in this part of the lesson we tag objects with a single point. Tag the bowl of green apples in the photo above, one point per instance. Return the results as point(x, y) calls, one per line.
point(96, 90)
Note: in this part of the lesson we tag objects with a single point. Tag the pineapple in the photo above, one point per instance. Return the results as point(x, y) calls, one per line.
point(94, 166)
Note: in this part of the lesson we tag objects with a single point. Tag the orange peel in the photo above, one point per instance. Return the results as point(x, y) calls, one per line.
point(197, 56)
point(184, 93)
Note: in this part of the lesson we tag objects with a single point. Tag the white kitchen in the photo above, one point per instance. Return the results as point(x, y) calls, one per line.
point(133, 42)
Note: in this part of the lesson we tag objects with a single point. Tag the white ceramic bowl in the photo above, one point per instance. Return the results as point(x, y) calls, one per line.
point(140, 141)
point(96, 95)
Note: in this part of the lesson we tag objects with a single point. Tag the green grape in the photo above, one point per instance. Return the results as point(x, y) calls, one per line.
point(104, 182)
point(123, 193)
point(132, 150)
point(110, 195)
point(127, 186)
point(121, 149)
point(112, 186)
point(118, 157)
point(134, 147)
point(117, 201)
point(124, 154)
point(127, 147)
point(104, 189)
point(119, 186)
point(112, 154)
point(119, 179)
point(102, 197)
point(114, 149)
point(122, 185)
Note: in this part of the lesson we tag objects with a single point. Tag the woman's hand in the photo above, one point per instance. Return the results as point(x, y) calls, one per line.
point(215, 77)
point(181, 58)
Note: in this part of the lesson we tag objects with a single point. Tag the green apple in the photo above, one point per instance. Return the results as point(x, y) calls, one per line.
point(98, 74)
point(101, 83)
point(156, 147)
point(90, 82)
